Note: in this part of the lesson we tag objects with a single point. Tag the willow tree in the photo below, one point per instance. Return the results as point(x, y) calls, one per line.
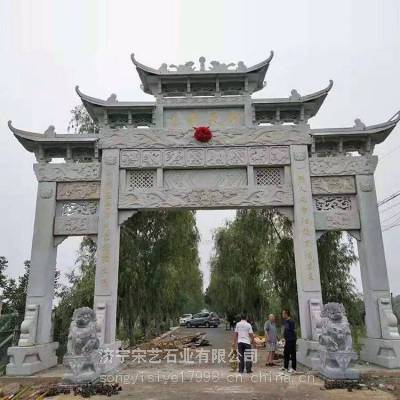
point(159, 270)
point(253, 268)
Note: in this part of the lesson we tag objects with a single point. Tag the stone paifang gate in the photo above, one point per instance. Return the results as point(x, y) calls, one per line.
point(262, 153)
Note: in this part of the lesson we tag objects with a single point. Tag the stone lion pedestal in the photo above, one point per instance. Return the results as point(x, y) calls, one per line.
point(83, 359)
point(336, 346)
point(338, 365)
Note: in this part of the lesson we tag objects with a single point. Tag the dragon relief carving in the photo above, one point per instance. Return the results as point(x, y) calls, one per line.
point(333, 185)
point(207, 198)
point(333, 203)
point(67, 172)
point(346, 165)
point(162, 138)
point(78, 191)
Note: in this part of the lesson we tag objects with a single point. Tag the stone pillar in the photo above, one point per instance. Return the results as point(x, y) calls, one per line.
point(35, 350)
point(107, 258)
point(306, 256)
point(382, 344)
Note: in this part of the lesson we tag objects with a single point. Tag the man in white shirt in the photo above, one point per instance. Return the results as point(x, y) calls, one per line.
point(243, 338)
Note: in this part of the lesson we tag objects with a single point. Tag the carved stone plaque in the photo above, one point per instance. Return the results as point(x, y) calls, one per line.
point(188, 118)
point(75, 226)
point(345, 165)
point(202, 179)
point(336, 220)
point(68, 172)
point(78, 191)
point(333, 185)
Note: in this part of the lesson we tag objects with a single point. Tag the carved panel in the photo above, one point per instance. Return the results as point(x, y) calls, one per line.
point(216, 156)
point(195, 157)
point(76, 225)
point(141, 180)
point(336, 212)
point(208, 198)
point(130, 158)
point(236, 156)
point(333, 203)
point(210, 157)
point(336, 220)
point(241, 136)
point(151, 158)
point(268, 176)
point(199, 101)
point(174, 158)
point(348, 165)
point(366, 183)
point(67, 172)
point(208, 178)
point(189, 117)
point(333, 185)
point(78, 191)
point(76, 208)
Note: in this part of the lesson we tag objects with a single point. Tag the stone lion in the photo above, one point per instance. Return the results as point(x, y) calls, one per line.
point(335, 330)
point(82, 337)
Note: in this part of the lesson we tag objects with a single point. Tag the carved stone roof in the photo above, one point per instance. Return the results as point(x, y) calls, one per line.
point(156, 80)
point(96, 106)
point(378, 132)
point(307, 106)
point(31, 140)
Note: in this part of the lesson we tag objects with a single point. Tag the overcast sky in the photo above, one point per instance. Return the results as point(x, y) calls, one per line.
point(48, 47)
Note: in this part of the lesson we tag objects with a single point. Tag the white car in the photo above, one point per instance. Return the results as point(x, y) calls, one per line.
point(185, 318)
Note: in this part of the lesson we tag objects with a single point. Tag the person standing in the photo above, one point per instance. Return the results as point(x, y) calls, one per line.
point(271, 338)
point(289, 334)
point(243, 338)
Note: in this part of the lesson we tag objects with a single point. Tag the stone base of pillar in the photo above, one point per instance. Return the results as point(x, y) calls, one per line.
point(113, 362)
point(383, 352)
point(25, 361)
point(308, 353)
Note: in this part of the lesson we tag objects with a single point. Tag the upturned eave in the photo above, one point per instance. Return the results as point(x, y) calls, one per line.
point(32, 140)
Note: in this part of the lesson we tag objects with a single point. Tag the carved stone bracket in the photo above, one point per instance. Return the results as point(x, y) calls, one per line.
point(124, 215)
point(29, 326)
point(389, 325)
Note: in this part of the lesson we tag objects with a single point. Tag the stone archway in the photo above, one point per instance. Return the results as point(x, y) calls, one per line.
point(107, 177)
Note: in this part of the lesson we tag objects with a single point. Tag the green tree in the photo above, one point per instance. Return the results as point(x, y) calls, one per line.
point(77, 293)
point(14, 293)
point(253, 268)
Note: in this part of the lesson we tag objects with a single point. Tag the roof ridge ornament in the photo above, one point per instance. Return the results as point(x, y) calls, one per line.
point(189, 66)
point(50, 131)
point(359, 125)
point(215, 66)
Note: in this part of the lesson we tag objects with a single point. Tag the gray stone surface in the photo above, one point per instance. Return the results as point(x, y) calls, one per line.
point(107, 257)
point(25, 361)
point(83, 358)
point(336, 354)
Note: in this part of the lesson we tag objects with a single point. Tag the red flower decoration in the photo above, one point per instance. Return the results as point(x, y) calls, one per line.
point(202, 134)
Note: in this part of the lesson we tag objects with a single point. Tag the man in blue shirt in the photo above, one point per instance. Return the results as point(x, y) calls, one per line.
point(289, 334)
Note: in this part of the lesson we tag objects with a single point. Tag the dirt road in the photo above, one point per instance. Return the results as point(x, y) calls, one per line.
point(204, 373)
